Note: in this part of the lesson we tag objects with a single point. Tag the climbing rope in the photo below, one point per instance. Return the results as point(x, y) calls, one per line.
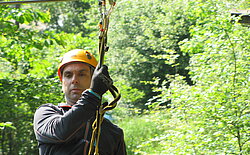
point(103, 25)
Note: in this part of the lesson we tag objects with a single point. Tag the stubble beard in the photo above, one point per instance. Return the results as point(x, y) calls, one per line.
point(72, 98)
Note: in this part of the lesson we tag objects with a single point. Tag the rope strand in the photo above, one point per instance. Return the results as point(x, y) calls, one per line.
point(103, 25)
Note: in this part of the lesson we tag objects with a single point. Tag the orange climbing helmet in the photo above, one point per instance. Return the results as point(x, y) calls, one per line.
point(76, 55)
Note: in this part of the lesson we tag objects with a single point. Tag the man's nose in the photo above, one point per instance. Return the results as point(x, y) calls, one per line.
point(75, 79)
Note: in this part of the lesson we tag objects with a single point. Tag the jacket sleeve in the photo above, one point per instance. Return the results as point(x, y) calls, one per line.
point(121, 146)
point(53, 126)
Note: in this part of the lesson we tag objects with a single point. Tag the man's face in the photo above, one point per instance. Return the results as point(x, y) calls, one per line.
point(76, 78)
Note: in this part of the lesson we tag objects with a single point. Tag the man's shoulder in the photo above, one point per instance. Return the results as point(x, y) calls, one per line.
point(48, 106)
point(107, 124)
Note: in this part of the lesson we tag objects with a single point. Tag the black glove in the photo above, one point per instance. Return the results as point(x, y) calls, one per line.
point(101, 80)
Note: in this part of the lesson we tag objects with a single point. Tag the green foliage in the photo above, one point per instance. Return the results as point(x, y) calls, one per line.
point(19, 100)
point(137, 134)
point(67, 17)
point(214, 112)
point(197, 55)
point(19, 39)
point(141, 32)
point(29, 56)
point(6, 125)
point(26, 49)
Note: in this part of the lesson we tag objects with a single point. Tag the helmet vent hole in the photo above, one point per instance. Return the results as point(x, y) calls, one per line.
point(88, 56)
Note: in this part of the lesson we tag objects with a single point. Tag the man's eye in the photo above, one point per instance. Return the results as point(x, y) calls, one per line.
point(67, 75)
point(82, 74)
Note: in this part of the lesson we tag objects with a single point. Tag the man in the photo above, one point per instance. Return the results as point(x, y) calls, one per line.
point(66, 129)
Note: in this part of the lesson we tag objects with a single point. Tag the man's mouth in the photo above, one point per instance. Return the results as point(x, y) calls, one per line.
point(76, 90)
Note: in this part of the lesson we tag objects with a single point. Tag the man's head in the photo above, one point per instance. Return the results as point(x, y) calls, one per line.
point(75, 72)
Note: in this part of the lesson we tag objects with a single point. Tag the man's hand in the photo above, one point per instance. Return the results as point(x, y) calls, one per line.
point(101, 80)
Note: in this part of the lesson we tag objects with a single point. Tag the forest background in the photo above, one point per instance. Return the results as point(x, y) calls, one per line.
point(182, 67)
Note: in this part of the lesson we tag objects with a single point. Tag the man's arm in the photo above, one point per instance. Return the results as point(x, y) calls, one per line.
point(52, 126)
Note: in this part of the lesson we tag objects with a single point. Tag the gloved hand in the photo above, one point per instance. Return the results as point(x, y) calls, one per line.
point(101, 80)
